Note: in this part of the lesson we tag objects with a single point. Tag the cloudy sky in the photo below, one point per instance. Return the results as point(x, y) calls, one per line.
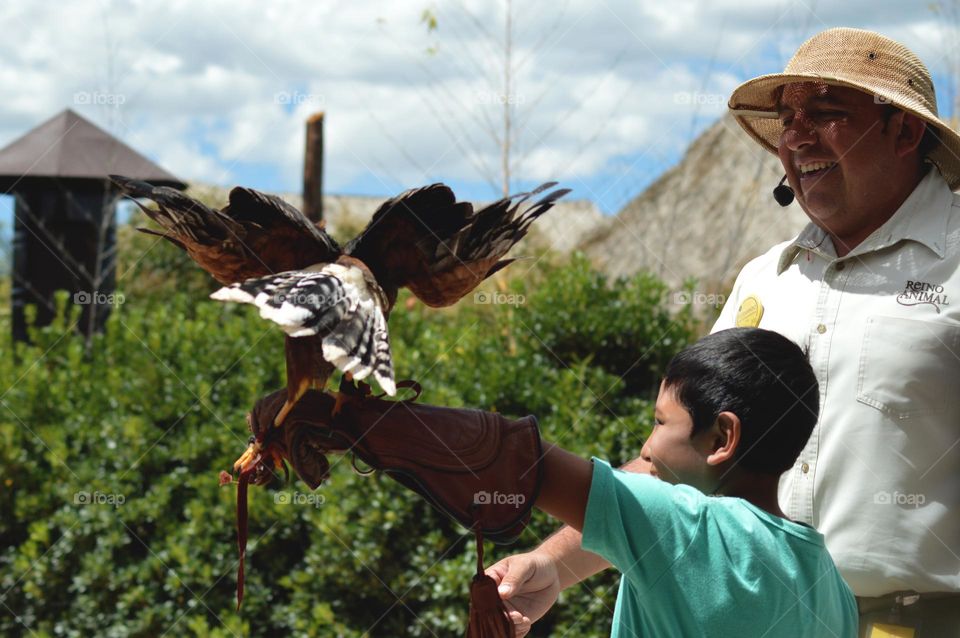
point(604, 94)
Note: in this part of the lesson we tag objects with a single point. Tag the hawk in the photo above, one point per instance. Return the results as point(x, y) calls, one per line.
point(333, 302)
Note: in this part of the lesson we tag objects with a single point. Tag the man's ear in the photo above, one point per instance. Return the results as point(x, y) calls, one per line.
point(726, 438)
point(909, 132)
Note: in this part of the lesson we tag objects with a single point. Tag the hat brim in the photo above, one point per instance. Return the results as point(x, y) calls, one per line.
point(754, 105)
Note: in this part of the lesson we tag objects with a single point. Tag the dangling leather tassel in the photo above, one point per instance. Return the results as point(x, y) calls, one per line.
point(488, 615)
point(241, 530)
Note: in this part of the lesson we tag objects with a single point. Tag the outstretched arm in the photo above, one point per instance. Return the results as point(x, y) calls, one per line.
point(574, 563)
point(566, 485)
point(529, 583)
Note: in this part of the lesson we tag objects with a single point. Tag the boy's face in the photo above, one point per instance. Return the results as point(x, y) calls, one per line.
point(674, 455)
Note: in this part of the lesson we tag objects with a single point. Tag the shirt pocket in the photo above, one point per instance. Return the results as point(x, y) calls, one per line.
point(908, 367)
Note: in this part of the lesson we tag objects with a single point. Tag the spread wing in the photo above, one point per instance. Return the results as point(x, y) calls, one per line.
point(442, 249)
point(254, 235)
point(334, 302)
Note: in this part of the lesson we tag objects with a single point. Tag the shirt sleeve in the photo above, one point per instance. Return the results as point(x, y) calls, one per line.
point(639, 523)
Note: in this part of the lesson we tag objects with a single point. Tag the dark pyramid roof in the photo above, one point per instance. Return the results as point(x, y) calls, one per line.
point(70, 146)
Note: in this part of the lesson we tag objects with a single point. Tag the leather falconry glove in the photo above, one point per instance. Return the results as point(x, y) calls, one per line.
point(479, 468)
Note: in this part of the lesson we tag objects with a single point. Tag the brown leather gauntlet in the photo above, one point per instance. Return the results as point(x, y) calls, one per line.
point(479, 468)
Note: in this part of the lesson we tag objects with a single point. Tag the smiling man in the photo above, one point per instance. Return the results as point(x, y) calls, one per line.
point(840, 147)
point(866, 289)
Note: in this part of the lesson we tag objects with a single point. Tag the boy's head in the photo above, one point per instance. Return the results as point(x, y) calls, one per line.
point(742, 397)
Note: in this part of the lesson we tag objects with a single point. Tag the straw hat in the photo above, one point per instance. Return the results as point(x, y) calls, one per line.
point(859, 59)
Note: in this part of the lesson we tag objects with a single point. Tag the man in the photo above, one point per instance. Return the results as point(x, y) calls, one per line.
point(866, 289)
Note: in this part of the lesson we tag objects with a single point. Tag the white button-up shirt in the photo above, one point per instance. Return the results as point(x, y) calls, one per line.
point(880, 476)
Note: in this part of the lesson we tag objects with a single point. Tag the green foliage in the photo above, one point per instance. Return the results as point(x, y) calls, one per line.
point(111, 521)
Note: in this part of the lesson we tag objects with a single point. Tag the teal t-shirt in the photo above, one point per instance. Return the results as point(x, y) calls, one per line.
point(697, 565)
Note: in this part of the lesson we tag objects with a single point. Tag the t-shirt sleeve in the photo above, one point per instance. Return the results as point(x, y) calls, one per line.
point(639, 523)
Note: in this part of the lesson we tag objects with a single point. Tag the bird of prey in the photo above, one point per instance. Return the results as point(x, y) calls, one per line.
point(333, 302)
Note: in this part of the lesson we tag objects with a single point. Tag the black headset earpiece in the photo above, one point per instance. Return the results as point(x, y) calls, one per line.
point(783, 193)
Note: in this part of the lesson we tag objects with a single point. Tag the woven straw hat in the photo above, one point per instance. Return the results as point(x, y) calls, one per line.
point(859, 59)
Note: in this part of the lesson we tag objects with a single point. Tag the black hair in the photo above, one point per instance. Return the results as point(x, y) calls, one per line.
point(763, 378)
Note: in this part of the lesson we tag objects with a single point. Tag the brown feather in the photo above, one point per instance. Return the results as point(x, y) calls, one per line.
point(439, 248)
point(254, 235)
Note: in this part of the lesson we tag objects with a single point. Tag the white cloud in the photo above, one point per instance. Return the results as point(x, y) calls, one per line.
point(210, 87)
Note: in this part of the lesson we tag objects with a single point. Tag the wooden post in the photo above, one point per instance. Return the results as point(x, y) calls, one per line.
point(313, 169)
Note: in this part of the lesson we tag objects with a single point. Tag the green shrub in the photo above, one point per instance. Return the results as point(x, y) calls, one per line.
point(151, 409)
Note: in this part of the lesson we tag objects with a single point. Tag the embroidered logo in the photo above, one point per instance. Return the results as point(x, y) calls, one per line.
point(917, 293)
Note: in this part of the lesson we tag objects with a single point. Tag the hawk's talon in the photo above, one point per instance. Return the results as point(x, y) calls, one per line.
point(292, 398)
point(250, 457)
point(338, 401)
point(284, 411)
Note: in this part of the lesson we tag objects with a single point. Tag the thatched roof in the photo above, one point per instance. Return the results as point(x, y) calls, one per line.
point(703, 218)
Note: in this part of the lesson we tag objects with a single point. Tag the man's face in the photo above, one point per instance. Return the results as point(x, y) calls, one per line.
point(836, 153)
point(674, 455)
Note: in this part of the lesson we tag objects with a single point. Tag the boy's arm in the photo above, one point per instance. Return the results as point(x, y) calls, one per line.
point(530, 583)
point(574, 563)
point(566, 485)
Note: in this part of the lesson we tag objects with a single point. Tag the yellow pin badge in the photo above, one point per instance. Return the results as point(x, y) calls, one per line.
point(878, 630)
point(750, 312)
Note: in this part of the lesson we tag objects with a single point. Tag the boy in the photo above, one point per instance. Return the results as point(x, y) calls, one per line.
point(701, 542)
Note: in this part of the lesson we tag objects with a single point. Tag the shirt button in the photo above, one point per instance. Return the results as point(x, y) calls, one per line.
point(805, 468)
point(821, 328)
point(841, 265)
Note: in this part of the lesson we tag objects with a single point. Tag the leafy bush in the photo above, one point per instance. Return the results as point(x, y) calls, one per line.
point(111, 521)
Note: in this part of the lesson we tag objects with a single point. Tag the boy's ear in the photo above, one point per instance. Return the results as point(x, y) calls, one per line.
point(726, 434)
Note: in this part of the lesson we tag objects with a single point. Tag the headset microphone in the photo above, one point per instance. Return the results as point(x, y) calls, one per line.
point(783, 193)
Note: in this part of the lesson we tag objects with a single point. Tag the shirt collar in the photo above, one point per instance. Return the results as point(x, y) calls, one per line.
point(922, 218)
